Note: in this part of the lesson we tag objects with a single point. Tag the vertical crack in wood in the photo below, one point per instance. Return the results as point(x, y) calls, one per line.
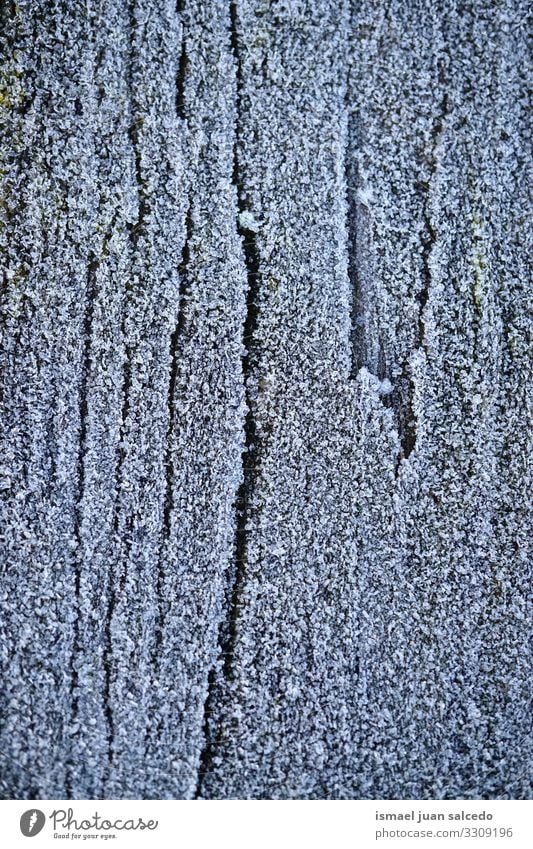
point(357, 234)
point(181, 77)
point(174, 350)
point(366, 336)
point(87, 333)
point(368, 351)
point(228, 628)
point(406, 416)
point(429, 236)
point(143, 207)
point(135, 230)
point(174, 370)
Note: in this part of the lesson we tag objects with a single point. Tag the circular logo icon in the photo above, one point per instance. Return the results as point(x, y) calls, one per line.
point(32, 822)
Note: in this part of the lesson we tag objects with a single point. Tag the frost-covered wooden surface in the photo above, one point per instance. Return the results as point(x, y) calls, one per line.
point(265, 397)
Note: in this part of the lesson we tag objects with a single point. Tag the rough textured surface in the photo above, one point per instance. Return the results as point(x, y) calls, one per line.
point(265, 399)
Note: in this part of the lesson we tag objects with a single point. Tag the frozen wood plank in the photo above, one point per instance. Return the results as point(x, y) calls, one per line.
point(265, 384)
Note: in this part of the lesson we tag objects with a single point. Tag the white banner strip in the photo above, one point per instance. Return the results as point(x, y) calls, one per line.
point(272, 825)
